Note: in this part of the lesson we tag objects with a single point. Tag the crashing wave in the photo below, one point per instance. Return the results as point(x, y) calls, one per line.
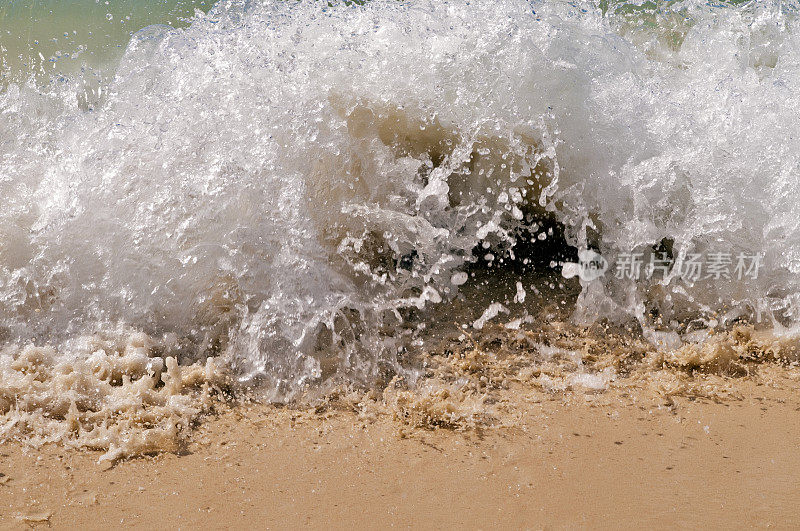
point(296, 187)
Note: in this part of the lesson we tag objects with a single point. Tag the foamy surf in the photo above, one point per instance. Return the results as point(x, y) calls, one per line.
point(304, 192)
point(108, 392)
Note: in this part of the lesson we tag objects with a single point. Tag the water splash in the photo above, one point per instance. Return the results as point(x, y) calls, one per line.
point(293, 186)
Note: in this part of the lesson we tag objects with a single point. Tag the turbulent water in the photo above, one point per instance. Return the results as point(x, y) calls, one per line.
point(302, 189)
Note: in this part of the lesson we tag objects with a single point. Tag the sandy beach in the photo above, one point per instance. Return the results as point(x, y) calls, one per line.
point(573, 460)
point(371, 264)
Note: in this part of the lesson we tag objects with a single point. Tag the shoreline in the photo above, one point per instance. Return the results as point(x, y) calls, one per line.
point(618, 458)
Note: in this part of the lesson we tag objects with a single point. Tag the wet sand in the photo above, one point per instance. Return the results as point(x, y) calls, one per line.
point(615, 459)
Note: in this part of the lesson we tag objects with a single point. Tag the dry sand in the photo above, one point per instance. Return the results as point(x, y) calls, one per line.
point(614, 459)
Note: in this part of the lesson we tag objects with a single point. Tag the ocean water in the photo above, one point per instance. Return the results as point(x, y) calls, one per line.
point(303, 190)
point(78, 38)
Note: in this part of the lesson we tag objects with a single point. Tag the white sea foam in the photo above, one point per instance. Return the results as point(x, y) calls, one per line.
point(108, 391)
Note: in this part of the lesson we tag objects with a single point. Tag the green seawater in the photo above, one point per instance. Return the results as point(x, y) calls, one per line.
point(45, 39)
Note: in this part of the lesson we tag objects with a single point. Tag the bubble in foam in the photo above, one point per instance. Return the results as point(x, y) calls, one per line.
point(459, 278)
